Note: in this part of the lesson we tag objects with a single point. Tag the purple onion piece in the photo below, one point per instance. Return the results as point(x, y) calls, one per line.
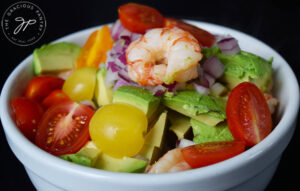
point(116, 29)
point(118, 47)
point(122, 74)
point(229, 46)
point(211, 80)
point(120, 83)
point(214, 67)
point(157, 90)
point(159, 93)
point(113, 66)
point(122, 58)
point(126, 39)
point(201, 89)
point(170, 87)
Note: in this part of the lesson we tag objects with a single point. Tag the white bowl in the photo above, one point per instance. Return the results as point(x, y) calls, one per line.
point(251, 170)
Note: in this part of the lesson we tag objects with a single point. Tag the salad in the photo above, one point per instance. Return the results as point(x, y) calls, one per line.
point(147, 94)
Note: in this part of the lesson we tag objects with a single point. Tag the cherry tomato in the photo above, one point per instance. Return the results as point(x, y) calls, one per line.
point(139, 18)
point(80, 85)
point(63, 129)
point(41, 86)
point(117, 129)
point(204, 38)
point(55, 97)
point(212, 152)
point(27, 115)
point(248, 114)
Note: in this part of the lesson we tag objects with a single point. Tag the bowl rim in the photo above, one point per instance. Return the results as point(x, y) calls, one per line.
point(287, 120)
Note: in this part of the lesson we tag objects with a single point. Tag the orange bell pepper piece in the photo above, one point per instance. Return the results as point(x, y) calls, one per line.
point(94, 51)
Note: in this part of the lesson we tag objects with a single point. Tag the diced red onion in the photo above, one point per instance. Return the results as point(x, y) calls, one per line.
point(120, 83)
point(201, 89)
point(157, 90)
point(118, 47)
point(113, 66)
point(159, 93)
point(229, 46)
point(182, 143)
point(214, 67)
point(126, 39)
point(170, 87)
point(211, 80)
point(124, 75)
point(111, 78)
point(122, 58)
point(116, 29)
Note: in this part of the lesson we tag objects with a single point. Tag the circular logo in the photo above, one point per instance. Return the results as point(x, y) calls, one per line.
point(23, 23)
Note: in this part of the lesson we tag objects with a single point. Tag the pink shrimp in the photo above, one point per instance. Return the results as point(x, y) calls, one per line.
point(172, 161)
point(163, 55)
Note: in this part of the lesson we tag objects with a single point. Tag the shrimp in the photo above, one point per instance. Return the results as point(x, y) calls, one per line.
point(172, 161)
point(163, 55)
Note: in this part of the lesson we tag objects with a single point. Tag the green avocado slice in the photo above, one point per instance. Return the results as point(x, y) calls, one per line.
point(204, 133)
point(87, 155)
point(140, 98)
point(205, 108)
point(243, 66)
point(53, 58)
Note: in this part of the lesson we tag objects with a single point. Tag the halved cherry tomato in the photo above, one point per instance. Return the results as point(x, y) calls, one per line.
point(204, 38)
point(27, 115)
point(139, 18)
point(64, 128)
point(212, 152)
point(55, 97)
point(248, 114)
point(41, 86)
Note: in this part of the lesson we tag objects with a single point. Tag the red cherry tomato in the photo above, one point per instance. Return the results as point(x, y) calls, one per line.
point(139, 18)
point(41, 86)
point(248, 114)
point(55, 97)
point(27, 115)
point(209, 153)
point(64, 128)
point(204, 38)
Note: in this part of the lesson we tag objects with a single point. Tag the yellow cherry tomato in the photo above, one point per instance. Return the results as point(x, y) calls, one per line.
point(80, 85)
point(118, 129)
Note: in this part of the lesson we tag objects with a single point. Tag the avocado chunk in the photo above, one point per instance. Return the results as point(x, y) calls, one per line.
point(156, 134)
point(180, 124)
point(243, 66)
point(87, 155)
point(132, 165)
point(81, 160)
point(154, 139)
point(140, 98)
point(125, 164)
point(205, 108)
point(205, 133)
point(103, 93)
point(53, 58)
point(151, 153)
